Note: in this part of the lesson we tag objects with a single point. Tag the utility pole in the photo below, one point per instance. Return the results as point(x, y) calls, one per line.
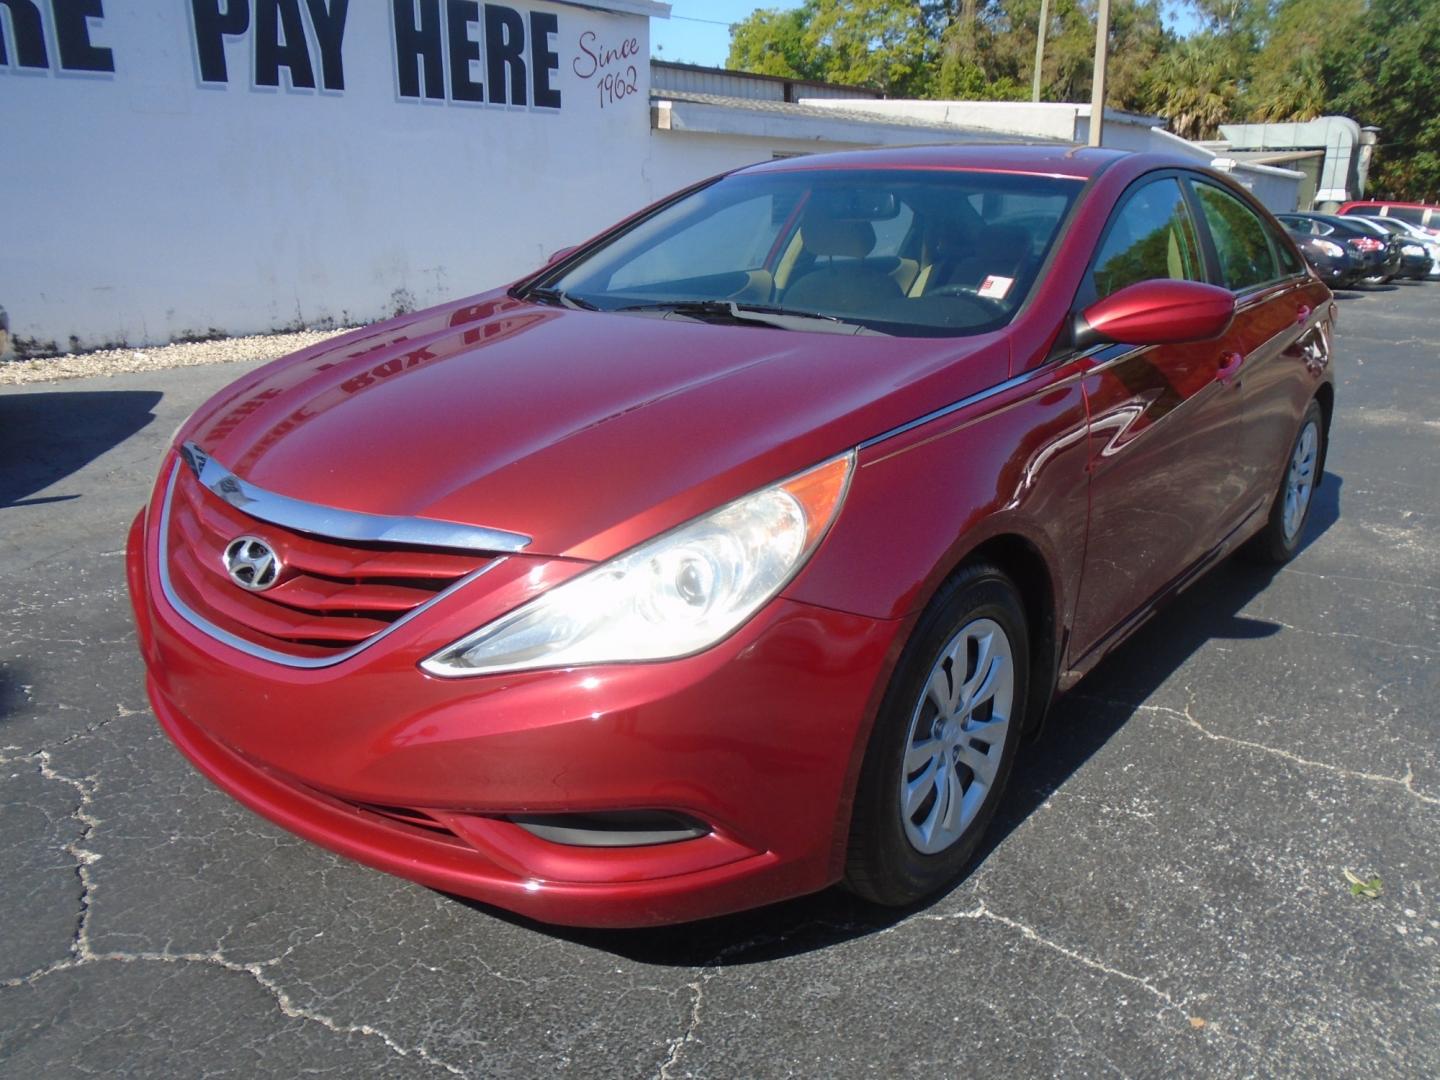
point(1097, 94)
point(1040, 49)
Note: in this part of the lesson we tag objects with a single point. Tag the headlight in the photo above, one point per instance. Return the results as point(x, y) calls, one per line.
point(1413, 249)
point(1333, 250)
point(672, 596)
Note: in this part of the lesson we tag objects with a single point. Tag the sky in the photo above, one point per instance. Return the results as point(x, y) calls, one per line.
point(698, 31)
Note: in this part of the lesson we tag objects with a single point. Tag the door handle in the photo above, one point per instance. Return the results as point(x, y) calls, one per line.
point(1302, 315)
point(1229, 366)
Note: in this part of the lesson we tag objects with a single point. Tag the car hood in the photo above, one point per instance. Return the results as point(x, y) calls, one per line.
point(585, 431)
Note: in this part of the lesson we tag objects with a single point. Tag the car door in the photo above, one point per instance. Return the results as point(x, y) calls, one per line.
point(1164, 426)
point(1279, 330)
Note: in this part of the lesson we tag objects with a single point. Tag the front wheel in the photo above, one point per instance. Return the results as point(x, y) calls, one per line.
point(944, 742)
point(1279, 540)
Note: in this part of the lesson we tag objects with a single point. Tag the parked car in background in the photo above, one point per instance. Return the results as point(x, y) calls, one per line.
point(1413, 262)
point(1376, 250)
point(1424, 215)
point(735, 552)
point(1418, 245)
point(1333, 263)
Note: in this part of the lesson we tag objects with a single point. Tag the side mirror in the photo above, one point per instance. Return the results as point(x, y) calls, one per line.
point(556, 256)
point(1158, 312)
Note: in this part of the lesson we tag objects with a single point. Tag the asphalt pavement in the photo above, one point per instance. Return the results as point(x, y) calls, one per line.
point(1164, 892)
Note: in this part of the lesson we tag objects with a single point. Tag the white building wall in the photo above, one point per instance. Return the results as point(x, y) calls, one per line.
point(1045, 120)
point(147, 203)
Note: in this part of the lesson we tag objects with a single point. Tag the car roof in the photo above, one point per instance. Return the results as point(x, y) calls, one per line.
point(1360, 204)
point(1352, 219)
point(1331, 219)
point(1049, 159)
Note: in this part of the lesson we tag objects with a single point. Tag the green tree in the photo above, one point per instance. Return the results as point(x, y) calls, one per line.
point(1396, 86)
point(1308, 58)
point(1233, 19)
point(880, 43)
point(1196, 84)
point(886, 44)
point(771, 42)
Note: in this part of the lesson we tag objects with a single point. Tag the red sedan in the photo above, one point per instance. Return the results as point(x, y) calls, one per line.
point(731, 555)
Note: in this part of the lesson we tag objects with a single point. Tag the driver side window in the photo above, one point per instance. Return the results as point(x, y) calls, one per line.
point(1151, 236)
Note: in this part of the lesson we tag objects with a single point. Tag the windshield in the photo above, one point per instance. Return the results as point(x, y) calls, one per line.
point(900, 251)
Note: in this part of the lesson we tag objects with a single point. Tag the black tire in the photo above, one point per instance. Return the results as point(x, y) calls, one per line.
point(1276, 543)
point(883, 865)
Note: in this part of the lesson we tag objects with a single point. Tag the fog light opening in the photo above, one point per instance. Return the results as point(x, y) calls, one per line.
point(612, 828)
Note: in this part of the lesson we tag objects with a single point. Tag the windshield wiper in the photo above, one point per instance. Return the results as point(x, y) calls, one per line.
point(548, 295)
point(730, 311)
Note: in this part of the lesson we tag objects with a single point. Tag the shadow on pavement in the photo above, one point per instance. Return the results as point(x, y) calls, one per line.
point(44, 437)
point(1076, 729)
point(12, 693)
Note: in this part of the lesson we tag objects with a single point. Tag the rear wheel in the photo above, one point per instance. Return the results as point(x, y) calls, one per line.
point(1279, 540)
point(944, 742)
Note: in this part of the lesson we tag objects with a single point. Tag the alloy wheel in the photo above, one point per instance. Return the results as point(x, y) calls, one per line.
point(1300, 481)
point(956, 738)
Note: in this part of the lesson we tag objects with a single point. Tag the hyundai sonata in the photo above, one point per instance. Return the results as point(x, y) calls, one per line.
point(731, 555)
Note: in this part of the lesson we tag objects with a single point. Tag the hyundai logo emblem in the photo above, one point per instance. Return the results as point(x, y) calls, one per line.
point(251, 563)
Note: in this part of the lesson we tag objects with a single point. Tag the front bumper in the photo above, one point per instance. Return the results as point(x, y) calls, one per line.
point(758, 738)
point(1415, 267)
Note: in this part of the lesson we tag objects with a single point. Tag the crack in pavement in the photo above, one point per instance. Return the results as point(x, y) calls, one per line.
point(1346, 634)
point(1408, 585)
point(85, 788)
point(256, 970)
point(1031, 934)
point(676, 1047)
point(83, 955)
point(1406, 783)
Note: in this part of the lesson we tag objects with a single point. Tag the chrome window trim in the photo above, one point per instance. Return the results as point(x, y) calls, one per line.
point(225, 637)
point(337, 524)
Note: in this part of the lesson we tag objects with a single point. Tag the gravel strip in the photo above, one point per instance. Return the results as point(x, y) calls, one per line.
point(115, 361)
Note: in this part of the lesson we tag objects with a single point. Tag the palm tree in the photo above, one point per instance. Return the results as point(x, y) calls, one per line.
point(1196, 85)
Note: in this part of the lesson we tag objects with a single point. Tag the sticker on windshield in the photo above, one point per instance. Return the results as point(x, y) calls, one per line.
point(995, 286)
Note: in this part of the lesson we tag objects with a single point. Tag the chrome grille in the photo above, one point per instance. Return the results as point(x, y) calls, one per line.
point(332, 597)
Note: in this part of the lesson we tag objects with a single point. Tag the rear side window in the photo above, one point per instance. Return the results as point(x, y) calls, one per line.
point(1413, 214)
point(1239, 235)
point(1151, 236)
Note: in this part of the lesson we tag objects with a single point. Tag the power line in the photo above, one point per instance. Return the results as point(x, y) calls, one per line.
point(708, 22)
